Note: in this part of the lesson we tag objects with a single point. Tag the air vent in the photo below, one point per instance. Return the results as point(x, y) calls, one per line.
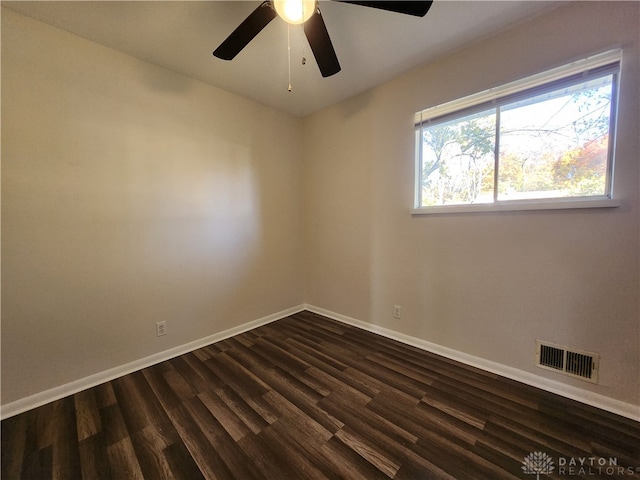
point(572, 362)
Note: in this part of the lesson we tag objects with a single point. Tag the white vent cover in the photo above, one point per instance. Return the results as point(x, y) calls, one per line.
point(569, 361)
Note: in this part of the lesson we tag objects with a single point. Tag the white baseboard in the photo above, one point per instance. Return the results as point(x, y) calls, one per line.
point(41, 398)
point(590, 398)
point(585, 396)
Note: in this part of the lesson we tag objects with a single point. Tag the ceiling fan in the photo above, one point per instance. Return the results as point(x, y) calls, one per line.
point(307, 12)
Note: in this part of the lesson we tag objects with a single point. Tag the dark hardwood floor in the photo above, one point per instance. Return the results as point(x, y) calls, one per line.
point(310, 398)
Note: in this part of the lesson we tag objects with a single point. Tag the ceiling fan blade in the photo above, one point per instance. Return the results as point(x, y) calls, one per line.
point(416, 8)
point(320, 42)
point(246, 31)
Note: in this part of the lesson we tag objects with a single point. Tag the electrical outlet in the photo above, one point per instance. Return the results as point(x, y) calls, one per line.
point(161, 328)
point(397, 311)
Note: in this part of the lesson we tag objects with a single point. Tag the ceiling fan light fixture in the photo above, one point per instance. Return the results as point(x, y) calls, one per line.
point(294, 12)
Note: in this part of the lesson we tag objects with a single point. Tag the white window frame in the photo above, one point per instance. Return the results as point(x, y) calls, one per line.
point(490, 98)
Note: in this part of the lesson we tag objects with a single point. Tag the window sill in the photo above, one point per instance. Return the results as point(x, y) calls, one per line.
point(552, 204)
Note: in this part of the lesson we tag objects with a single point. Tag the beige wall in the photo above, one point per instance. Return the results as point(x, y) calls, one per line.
point(132, 195)
point(487, 285)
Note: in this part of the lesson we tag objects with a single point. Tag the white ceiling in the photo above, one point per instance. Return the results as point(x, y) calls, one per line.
point(372, 45)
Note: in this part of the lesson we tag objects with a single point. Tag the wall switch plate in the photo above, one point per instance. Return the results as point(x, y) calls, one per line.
point(161, 328)
point(397, 309)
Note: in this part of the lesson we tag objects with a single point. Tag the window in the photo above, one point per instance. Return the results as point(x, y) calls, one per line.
point(545, 141)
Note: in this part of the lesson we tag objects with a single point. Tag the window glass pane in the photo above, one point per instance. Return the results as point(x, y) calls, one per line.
point(458, 159)
point(556, 144)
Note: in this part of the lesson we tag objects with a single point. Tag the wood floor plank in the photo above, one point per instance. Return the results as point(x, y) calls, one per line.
point(150, 444)
point(138, 404)
point(271, 464)
point(351, 463)
point(298, 463)
point(237, 376)
point(87, 414)
point(296, 416)
point(183, 389)
point(252, 419)
point(229, 420)
point(306, 397)
point(248, 358)
point(466, 413)
point(341, 407)
point(228, 450)
point(321, 361)
point(66, 454)
point(94, 461)
point(123, 462)
point(164, 392)
point(14, 444)
point(201, 378)
point(268, 348)
point(334, 384)
point(181, 463)
point(309, 446)
point(105, 395)
point(403, 368)
point(38, 464)
point(557, 439)
point(313, 353)
point(370, 452)
point(412, 470)
point(201, 450)
point(45, 427)
point(461, 463)
point(114, 427)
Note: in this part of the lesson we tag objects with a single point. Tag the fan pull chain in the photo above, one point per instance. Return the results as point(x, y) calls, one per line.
point(290, 88)
point(304, 55)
